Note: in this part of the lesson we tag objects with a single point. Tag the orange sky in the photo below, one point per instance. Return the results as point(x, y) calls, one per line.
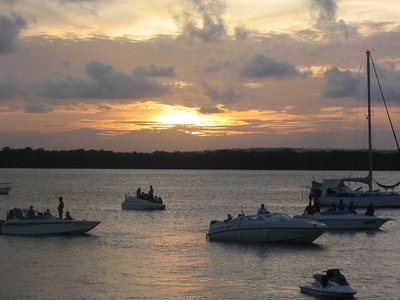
point(194, 75)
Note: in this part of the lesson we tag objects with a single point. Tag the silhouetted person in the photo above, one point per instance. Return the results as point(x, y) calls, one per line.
point(68, 216)
point(262, 210)
point(341, 205)
point(230, 217)
point(352, 207)
point(333, 207)
point(370, 210)
point(60, 207)
point(151, 191)
point(138, 193)
point(31, 212)
point(317, 207)
point(47, 212)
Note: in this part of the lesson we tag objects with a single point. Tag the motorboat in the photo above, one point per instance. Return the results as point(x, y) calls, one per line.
point(335, 190)
point(274, 227)
point(332, 284)
point(23, 223)
point(345, 219)
point(5, 188)
point(136, 203)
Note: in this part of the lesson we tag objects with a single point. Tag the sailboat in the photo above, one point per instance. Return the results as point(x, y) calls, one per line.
point(331, 191)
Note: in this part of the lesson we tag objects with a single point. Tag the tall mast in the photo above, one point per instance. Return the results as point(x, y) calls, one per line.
point(369, 123)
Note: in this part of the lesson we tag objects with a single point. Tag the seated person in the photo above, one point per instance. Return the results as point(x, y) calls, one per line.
point(230, 217)
point(68, 216)
point(262, 210)
point(30, 212)
point(370, 210)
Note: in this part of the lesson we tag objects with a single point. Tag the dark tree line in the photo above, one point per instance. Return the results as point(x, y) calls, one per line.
point(250, 159)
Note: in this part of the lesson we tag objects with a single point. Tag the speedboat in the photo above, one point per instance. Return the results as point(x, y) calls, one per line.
point(44, 224)
point(136, 203)
point(5, 188)
point(331, 284)
point(275, 227)
point(345, 219)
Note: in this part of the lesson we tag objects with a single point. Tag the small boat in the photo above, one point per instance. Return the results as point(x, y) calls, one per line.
point(275, 227)
point(43, 224)
point(345, 219)
point(331, 284)
point(136, 203)
point(5, 188)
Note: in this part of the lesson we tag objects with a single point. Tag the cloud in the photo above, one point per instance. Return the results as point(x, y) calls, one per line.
point(215, 65)
point(104, 83)
point(324, 15)
point(241, 33)
point(340, 84)
point(227, 96)
point(260, 66)
point(210, 110)
point(389, 77)
point(10, 29)
point(203, 19)
point(9, 87)
point(154, 71)
point(36, 108)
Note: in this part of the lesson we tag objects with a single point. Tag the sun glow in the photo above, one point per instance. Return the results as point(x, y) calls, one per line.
point(185, 116)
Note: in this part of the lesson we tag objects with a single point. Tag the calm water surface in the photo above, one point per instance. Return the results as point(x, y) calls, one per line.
point(164, 254)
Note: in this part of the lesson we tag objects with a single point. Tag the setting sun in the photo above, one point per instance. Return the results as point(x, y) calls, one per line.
point(180, 117)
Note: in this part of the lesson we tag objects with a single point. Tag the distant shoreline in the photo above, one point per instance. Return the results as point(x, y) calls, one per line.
point(234, 159)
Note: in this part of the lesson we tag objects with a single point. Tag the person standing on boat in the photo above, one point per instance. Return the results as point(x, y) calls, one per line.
point(370, 210)
point(341, 205)
point(60, 207)
point(262, 210)
point(138, 192)
point(151, 193)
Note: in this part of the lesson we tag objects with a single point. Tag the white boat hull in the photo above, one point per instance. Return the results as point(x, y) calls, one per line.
point(336, 292)
point(246, 229)
point(348, 221)
point(268, 235)
point(43, 227)
point(134, 203)
point(390, 200)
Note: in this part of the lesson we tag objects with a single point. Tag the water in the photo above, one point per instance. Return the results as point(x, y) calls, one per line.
point(165, 255)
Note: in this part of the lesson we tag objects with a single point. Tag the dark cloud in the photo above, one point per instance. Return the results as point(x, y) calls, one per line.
point(9, 87)
point(225, 97)
point(36, 108)
point(260, 66)
point(154, 71)
point(389, 77)
point(104, 83)
point(210, 110)
point(241, 33)
point(10, 29)
point(203, 19)
point(340, 84)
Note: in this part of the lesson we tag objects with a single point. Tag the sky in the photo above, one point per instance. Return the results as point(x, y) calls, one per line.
point(192, 75)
